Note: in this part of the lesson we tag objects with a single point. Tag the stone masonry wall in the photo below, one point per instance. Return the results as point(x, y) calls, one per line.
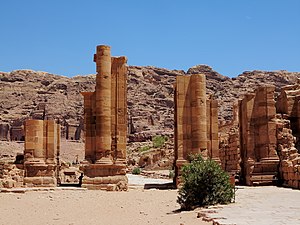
point(10, 175)
point(230, 151)
point(289, 169)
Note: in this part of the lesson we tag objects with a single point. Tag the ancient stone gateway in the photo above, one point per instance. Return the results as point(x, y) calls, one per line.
point(196, 122)
point(105, 112)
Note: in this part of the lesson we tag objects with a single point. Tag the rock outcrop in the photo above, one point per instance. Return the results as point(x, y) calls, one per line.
point(33, 94)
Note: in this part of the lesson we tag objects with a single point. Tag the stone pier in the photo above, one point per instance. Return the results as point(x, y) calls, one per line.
point(196, 121)
point(42, 141)
point(257, 114)
point(105, 112)
point(212, 129)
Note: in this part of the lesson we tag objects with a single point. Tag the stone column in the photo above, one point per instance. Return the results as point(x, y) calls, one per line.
point(208, 122)
point(190, 119)
point(103, 105)
point(35, 145)
point(119, 108)
point(58, 144)
point(214, 130)
point(198, 109)
point(179, 128)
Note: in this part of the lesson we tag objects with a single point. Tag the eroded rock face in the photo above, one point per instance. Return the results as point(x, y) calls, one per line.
point(150, 94)
point(34, 94)
point(40, 95)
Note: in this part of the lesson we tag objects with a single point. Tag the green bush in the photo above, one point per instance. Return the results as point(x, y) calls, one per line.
point(204, 183)
point(144, 148)
point(159, 141)
point(136, 170)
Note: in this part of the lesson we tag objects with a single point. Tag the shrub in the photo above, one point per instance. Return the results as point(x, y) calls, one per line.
point(159, 141)
point(144, 148)
point(204, 183)
point(136, 170)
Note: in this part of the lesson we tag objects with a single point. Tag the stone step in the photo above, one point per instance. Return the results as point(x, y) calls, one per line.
point(269, 173)
point(263, 179)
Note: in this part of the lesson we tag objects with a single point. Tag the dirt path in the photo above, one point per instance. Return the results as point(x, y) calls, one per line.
point(260, 205)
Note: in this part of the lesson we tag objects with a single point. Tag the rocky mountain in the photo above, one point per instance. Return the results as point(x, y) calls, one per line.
point(33, 94)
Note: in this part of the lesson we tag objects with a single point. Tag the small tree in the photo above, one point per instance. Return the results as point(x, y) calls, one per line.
point(204, 183)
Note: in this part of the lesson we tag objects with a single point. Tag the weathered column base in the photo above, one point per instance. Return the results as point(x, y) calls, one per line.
point(105, 177)
point(120, 162)
point(104, 161)
point(40, 175)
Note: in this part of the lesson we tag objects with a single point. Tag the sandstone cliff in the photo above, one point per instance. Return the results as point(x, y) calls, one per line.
point(27, 93)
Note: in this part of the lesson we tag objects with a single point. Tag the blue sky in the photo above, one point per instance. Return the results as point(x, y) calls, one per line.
point(60, 36)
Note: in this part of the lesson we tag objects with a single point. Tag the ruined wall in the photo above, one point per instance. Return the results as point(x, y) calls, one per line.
point(263, 139)
point(288, 104)
point(11, 175)
point(289, 157)
point(229, 144)
point(288, 134)
point(230, 151)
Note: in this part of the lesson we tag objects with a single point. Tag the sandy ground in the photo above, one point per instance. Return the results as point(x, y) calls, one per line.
point(94, 207)
point(254, 205)
point(75, 206)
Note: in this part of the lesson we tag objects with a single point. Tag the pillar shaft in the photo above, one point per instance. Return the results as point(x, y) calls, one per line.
point(34, 139)
point(119, 108)
point(191, 125)
point(214, 130)
point(103, 105)
point(89, 123)
point(51, 141)
point(198, 109)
